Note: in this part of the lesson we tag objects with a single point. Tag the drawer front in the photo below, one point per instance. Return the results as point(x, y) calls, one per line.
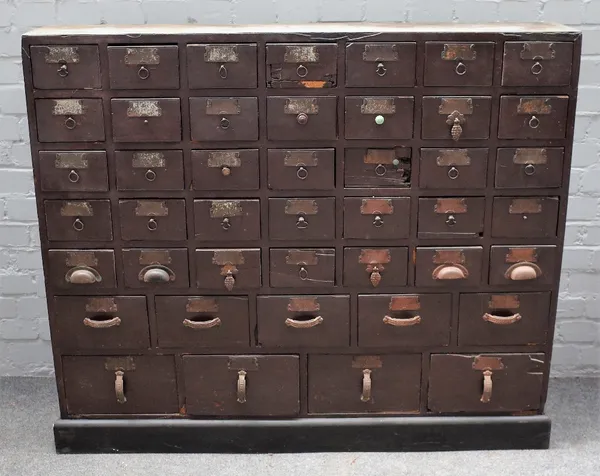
point(302, 218)
point(392, 320)
point(376, 218)
point(529, 167)
point(65, 66)
point(227, 220)
point(379, 117)
point(526, 217)
point(533, 117)
point(69, 120)
point(488, 382)
point(375, 267)
point(301, 169)
point(153, 220)
point(306, 118)
point(451, 217)
point(155, 269)
point(523, 266)
point(302, 268)
point(224, 119)
point(120, 385)
point(225, 169)
point(98, 323)
point(301, 65)
point(221, 65)
point(448, 267)
point(202, 321)
point(298, 321)
point(78, 220)
point(364, 383)
point(81, 269)
point(503, 319)
point(144, 67)
point(242, 385)
point(456, 118)
point(149, 170)
point(537, 63)
point(146, 120)
point(229, 270)
point(459, 64)
point(378, 167)
point(453, 168)
point(84, 171)
point(378, 65)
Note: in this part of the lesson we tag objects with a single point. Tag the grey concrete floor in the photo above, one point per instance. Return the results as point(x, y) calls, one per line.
point(28, 408)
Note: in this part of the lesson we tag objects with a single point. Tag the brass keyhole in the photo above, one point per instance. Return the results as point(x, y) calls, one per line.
point(536, 68)
point(152, 224)
point(453, 173)
point(222, 72)
point(303, 273)
point(534, 122)
point(70, 123)
point(378, 221)
point(225, 171)
point(73, 176)
point(302, 118)
point(381, 69)
point(529, 169)
point(226, 224)
point(451, 220)
point(225, 123)
point(380, 170)
point(150, 175)
point(302, 173)
point(301, 223)
point(461, 69)
point(63, 70)
point(143, 72)
point(78, 225)
point(301, 71)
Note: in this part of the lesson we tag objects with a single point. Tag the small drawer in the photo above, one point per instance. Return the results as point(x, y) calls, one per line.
point(221, 65)
point(302, 218)
point(453, 168)
point(537, 63)
point(65, 67)
point(525, 217)
point(379, 65)
point(98, 323)
point(202, 321)
point(376, 218)
point(302, 65)
point(153, 220)
point(378, 167)
point(144, 67)
point(451, 217)
point(364, 383)
point(379, 117)
point(450, 266)
point(69, 120)
point(374, 267)
point(300, 321)
point(227, 220)
point(302, 118)
point(149, 170)
point(529, 167)
point(503, 319)
point(523, 266)
point(301, 169)
point(225, 169)
point(157, 269)
point(392, 320)
point(146, 120)
point(488, 382)
point(456, 118)
point(228, 269)
point(224, 119)
point(242, 385)
point(302, 268)
point(78, 220)
point(120, 385)
point(459, 64)
point(84, 171)
point(533, 117)
point(81, 269)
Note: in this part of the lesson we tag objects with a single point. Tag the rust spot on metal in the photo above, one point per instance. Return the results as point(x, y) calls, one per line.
point(68, 107)
point(202, 304)
point(380, 156)
point(517, 255)
point(141, 55)
point(450, 205)
point(448, 256)
point(487, 362)
point(144, 109)
point(301, 54)
point(101, 304)
point(303, 304)
point(504, 301)
point(520, 206)
point(378, 256)
point(459, 51)
point(62, 54)
point(314, 84)
point(534, 106)
point(225, 208)
point(405, 303)
point(221, 54)
point(376, 206)
point(301, 105)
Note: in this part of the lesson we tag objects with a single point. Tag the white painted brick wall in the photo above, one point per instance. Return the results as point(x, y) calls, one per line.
point(24, 333)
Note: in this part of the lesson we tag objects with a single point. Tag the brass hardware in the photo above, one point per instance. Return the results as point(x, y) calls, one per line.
point(300, 158)
point(375, 259)
point(302, 173)
point(225, 208)
point(453, 173)
point(376, 52)
point(529, 155)
point(504, 301)
point(501, 320)
point(221, 54)
point(301, 223)
point(226, 224)
point(150, 175)
point(68, 107)
point(299, 206)
point(303, 324)
point(71, 160)
point(222, 107)
point(229, 280)
point(367, 362)
point(141, 55)
point(101, 305)
point(303, 304)
point(63, 70)
point(82, 275)
point(215, 322)
point(459, 51)
point(380, 170)
point(301, 54)
point(536, 68)
point(302, 257)
point(119, 363)
point(378, 221)
point(62, 55)
point(486, 395)
point(78, 225)
point(523, 271)
point(450, 272)
point(538, 50)
point(224, 123)
point(461, 69)
point(139, 108)
point(456, 119)
point(525, 205)
point(453, 157)
point(451, 220)
point(147, 160)
point(151, 208)
point(380, 70)
point(401, 322)
point(120, 386)
point(303, 273)
point(534, 122)
point(534, 105)
point(143, 73)
point(450, 205)
point(152, 257)
point(366, 386)
point(224, 158)
point(70, 123)
point(378, 105)
point(405, 303)
point(76, 209)
point(301, 71)
point(375, 276)
point(101, 324)
point(202, 304)
point(518, 255)
point(529, 169)
point(152, 225)
point(302, 118)
point(376, 206)
point(222, 72)
point(156, 274)
point(448, 256)
point(225, 171)
point(300, 105)
point(241, 386)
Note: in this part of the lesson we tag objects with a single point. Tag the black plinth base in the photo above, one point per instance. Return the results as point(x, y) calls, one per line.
point(302, 435)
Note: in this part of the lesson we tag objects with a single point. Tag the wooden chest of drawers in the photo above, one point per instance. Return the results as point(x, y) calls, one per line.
point(257, 237)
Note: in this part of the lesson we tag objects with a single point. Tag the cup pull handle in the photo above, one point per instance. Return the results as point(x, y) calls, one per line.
point(367, 385)
point(241, 386)
point(399, 322)
point(523, 272)
point(486, 395)
point(202, 324)
point(98, 324)
point(315, 321)
point(155, 274)
point(501, 320)
point(82, 275)
point(120, 386)
point(446, 271)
